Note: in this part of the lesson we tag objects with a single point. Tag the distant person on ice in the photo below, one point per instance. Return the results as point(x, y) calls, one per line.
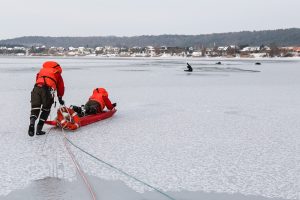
point(189, 68)
point(48, 80)
point(96, 103)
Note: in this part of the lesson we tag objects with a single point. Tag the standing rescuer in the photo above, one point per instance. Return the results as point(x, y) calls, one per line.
point(48, 80)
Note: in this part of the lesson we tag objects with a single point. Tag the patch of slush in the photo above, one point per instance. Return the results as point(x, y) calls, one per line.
point(59, 189)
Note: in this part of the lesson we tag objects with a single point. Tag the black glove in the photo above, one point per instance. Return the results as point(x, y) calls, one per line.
point(61, 102)
point(114, 104)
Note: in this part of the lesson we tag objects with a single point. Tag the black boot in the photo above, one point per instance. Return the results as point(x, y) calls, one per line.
point(78, 110)
point(39, 130)
point(31, 130)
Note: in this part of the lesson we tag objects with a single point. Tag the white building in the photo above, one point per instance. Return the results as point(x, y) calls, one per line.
point(250, 49)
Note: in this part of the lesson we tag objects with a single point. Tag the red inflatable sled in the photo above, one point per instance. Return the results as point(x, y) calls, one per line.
point(68, 119)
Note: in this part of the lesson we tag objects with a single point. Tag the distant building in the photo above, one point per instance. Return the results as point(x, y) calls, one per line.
point(197, 54)
point(150, 51)
point(251, 49)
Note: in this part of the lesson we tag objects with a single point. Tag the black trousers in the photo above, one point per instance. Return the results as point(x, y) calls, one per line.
point(91, 107)
point(42, 99)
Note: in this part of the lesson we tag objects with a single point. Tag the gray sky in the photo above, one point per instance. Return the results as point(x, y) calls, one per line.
point(141, 17)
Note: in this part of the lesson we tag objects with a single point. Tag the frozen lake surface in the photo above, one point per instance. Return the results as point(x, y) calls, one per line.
point(230, 130)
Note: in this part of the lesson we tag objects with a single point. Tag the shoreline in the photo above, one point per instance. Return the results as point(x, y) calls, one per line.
point(159, 58)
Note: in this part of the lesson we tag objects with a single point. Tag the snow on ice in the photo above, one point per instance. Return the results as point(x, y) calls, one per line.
point(230, 128)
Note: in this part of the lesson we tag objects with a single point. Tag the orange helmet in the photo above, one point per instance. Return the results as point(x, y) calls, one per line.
point(52, 64)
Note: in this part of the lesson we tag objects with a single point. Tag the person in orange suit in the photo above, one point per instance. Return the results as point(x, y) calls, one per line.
point(96, 103)
point(48, 80)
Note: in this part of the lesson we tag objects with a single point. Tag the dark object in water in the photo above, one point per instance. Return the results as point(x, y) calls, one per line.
point(189, 68)
point(257, 63)
point(218, 63)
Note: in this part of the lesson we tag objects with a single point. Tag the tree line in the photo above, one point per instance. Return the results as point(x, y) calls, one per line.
point(280, 37)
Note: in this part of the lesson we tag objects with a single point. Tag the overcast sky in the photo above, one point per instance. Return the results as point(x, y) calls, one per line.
point(141, 17)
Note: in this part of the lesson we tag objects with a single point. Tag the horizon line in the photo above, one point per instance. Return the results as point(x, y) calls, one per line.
point(154, 34)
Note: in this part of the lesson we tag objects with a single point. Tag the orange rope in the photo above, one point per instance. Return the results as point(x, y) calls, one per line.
point(78, 168)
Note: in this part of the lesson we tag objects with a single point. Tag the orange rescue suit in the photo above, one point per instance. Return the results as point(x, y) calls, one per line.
point(50, 75)
point(101, 96)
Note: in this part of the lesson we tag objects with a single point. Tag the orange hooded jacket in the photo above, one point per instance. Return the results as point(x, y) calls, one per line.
point(50, 75)
point(101, 96)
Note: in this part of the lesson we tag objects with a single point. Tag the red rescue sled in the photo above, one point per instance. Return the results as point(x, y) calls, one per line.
point(65, 118)
point(95, 118)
